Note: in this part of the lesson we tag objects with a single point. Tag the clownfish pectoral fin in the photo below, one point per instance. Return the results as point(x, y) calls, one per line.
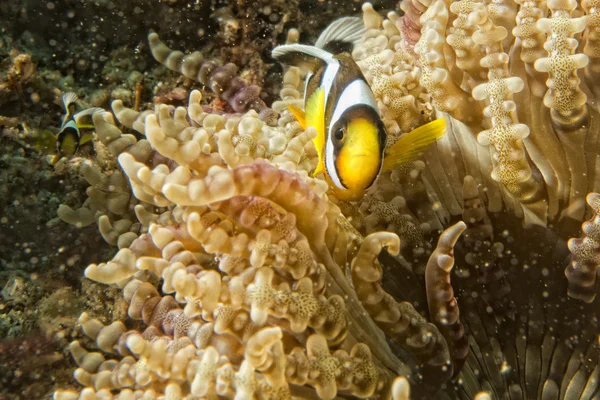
point(315, 117)
point(412, 144)
point(86, 138)
point(55, 159)
point(299, 114)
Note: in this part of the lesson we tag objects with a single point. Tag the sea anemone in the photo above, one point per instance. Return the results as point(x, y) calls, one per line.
point(253, 281)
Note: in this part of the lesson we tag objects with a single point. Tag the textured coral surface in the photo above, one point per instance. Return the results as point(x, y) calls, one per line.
point(468, 273)
point(98, 50)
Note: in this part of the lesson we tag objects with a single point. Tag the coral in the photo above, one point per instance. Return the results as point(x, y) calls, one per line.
point(532, 109)
point(581, 272)
point(435, 78)
point(25, 358)
point(511, 167)
point(238, 281)
point(244, 277)
point(243, 247)
point(42, 292)
point(564, 97)
point(443, 306)
point(109, 199)
point(16, 70)
point(222, 80)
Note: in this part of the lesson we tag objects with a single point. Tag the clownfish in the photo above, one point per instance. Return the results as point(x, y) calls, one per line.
point(69, 138)
point(340, 105)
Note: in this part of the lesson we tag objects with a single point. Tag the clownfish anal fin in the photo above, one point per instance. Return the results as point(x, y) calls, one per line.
point(412, 144)
point(298, 114)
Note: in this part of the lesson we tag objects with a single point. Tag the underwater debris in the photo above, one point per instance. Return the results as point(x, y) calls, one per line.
point(15, 71)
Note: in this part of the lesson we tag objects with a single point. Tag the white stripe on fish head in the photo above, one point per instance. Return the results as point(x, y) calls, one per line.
point(357, 92)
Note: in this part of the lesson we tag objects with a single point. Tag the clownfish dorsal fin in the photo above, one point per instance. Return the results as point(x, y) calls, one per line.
point(315, 117)
point(342, 35)
point(298, 114)
point(69, 101)
point(309, 57)
point(412, 144)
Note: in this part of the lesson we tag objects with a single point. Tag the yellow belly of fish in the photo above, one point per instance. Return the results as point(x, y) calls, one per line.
point(357, 173)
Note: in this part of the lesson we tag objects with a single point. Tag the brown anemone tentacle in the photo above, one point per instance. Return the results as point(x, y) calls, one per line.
point(585, 256)
point(443, 307)
point(400, 321)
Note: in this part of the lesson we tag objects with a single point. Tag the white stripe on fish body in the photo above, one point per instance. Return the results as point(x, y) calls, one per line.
point(329, 76)
point(330, 166)
point(71, 125)
point(357, 92)
point(331, 71)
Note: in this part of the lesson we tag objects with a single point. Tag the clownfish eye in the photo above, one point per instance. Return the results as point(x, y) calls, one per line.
point(340, 133)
